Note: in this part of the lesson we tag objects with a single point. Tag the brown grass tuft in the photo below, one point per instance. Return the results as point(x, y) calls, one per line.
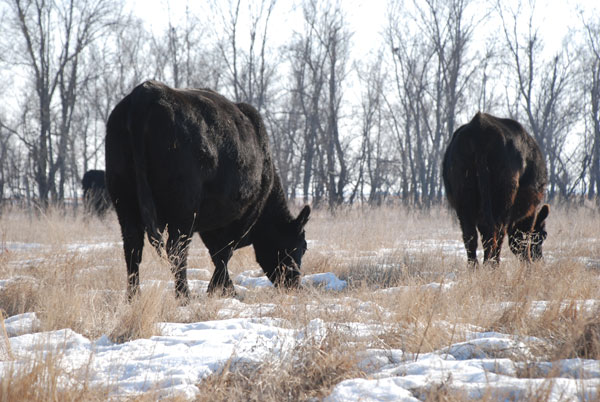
point(138, 318)
point(309, 371)
point(43, 380)
point(18, 297)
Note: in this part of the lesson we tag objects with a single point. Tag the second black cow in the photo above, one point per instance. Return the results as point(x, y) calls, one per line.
point(180, 162)
point(95, 197)
point(495, 178)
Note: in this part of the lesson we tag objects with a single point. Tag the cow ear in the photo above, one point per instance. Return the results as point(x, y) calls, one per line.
point(302, 218)
point(542, 215)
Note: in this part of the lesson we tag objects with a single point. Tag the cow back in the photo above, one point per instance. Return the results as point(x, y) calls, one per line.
point(200, 154)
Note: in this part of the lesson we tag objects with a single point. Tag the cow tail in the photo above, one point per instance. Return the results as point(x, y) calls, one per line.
point(136, 128)
point(483, 182)
point(483, 177)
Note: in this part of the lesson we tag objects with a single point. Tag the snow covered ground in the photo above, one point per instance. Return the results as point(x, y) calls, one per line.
point(174, 362)
point(478, 364)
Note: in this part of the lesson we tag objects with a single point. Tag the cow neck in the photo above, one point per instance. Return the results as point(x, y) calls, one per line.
point(275, 212)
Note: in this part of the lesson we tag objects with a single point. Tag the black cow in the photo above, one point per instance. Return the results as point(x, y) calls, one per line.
point(495, 178)
point(95, 196)
point(189, 161)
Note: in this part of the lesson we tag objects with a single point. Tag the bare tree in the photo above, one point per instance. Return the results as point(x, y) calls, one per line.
point(336, 41)
point(5, 137)
point(318, 59)
point(592, 87)
point(432, 71)
point(308, 80)
point(544, 93)
point(246, 57)
point(377, 156)
point(328, 146)
point(411, 61)
point(114, 65)
point(53, 36)
point(179, 53)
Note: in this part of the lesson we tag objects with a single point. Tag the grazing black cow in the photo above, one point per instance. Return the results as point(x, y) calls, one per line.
point(95, 196)
point(495, 178)
point(189, 161)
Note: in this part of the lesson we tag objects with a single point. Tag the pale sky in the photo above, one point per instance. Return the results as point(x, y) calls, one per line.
point(366, 18)
point(286, 18)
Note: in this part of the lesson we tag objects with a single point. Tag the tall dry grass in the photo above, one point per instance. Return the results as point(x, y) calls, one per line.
point(61, 273)
point(39, 380)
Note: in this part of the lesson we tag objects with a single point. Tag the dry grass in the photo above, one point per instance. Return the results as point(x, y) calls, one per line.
point(38, 380)
point(83, 288)
point(310, 370)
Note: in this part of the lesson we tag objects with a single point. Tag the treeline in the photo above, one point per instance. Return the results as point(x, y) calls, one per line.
point(345, 127)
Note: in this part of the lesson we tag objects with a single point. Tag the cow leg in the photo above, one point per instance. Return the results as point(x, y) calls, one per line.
point(179, 269)
point(502, 204)
point(220, 279)
point(133, 244)
point(177, 247)
point(501, 234)
point(177, 251)
point(469, 234)
point(489, 239)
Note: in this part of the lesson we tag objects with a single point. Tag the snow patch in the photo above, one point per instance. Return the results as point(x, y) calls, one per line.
point(22, 324)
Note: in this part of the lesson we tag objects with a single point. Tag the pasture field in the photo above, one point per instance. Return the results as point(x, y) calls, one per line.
point(389, 309)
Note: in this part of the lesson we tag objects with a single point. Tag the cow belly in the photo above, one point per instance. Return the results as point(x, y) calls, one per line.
point(185, 201)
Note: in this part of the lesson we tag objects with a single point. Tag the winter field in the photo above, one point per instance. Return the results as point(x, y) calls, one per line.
point(388, 311)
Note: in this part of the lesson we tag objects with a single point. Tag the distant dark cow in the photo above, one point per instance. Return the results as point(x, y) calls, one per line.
point(189, 161)
point(95, 196)
point(495, 178)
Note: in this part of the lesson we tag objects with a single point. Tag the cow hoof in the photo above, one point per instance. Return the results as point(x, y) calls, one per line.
point(222, 291)
point(183, 300)
point(491, 264)
point(132, 295)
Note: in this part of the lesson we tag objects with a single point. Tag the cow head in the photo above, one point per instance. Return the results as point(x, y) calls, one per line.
point(526, 237)
point(279, 252)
